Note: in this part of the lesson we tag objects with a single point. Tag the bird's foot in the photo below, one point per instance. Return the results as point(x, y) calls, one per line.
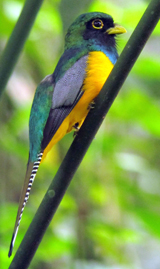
point(91, 105)
point(76, 128)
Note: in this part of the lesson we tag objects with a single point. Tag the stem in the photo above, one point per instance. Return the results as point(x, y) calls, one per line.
point(17, 39)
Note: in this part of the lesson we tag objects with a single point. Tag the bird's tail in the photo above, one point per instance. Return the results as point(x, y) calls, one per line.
point(29, 178)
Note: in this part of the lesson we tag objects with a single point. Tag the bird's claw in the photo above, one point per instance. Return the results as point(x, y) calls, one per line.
point(91, 105)
point(76, 128)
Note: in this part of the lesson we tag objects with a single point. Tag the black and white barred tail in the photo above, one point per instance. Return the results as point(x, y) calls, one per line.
point(30, 176)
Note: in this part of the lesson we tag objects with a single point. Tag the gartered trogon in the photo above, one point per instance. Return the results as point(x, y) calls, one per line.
point(62, 100)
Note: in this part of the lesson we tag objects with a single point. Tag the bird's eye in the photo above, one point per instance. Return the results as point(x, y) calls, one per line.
point(97, 24)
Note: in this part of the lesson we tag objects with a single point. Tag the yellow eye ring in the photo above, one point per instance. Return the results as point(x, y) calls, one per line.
point(97, 24)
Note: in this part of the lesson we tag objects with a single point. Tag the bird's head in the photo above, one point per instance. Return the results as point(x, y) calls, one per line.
point(92, 30)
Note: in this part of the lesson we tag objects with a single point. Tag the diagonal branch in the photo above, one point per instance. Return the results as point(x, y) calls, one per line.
point(87, 132)
point(17, 39)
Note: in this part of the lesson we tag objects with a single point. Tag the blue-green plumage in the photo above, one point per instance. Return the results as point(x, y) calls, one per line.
point(39, 115)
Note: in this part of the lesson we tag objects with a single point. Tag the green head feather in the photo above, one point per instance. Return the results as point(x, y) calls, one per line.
point(80, 27)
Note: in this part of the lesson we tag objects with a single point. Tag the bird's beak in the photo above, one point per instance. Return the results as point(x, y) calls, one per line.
point(117, 29)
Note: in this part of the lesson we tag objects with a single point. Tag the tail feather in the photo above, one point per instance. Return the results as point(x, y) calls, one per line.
point(29, 178)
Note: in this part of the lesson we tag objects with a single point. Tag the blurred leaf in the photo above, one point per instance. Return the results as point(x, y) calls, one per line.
point(110, 213)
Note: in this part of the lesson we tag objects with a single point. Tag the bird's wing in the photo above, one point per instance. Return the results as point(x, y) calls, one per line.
point(66, 94)
point(40, 110)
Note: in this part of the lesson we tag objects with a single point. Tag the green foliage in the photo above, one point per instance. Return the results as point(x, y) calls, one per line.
point(109, 217)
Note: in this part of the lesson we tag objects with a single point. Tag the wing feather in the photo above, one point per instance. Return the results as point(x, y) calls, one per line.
point(66, 94)
point(39, 114)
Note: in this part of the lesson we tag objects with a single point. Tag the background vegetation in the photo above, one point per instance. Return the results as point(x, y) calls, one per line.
point(110, 215)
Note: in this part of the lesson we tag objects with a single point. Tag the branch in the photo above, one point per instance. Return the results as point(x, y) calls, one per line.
point(82, 141)
point(17, 39)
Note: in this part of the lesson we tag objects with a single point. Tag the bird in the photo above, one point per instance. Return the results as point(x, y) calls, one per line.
point(63, 99)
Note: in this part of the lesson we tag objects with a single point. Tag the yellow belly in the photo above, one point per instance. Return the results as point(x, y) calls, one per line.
point(98, 69)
